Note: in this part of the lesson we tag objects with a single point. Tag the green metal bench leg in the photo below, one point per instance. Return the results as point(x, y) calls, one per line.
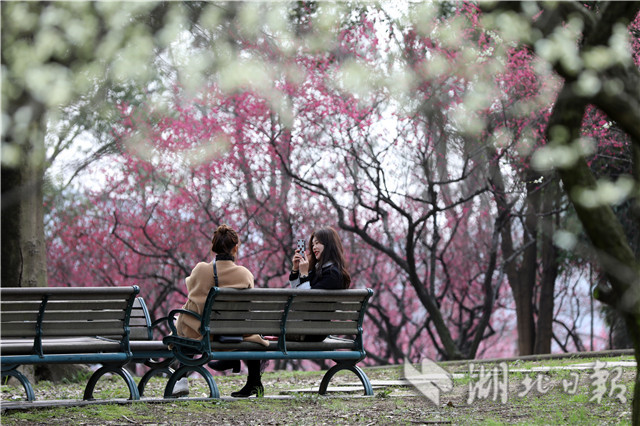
point(182, 371)
point(149, 374)
point(368, 390)
point(28, 389)
point(133, 389)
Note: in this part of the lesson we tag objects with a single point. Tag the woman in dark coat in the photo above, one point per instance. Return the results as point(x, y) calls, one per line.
point(325, 265)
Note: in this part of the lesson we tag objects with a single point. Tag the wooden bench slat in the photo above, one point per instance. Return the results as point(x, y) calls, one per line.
point(88, 325)
point(321, 328)
point(79, 316)
point(242, 296)
point(17, 316)
point(247, 305)
point(8, 306)
point(338, 316)
point(138, 334)
point(138, 329)
point(344, 298)
point(16, 345)
point(91, 328)
point(325, 306)
point(66, 305)
point(70, 293)
point(60, 345)
point(293, 327)
point(239, 315)
point(26, 329)
point(265, 329)
point(104, 332)
point(137, 322)
point(276, 316)
point(245, 327)
point(326, 345)
point(259, 293)
point(306, 306)
point(250, 296)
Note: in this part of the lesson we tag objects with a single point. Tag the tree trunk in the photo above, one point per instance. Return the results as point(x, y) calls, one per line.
point(528, 270)
point(32, 242)
point(634, 330)
point(452, 352)
point(520, 278)
point(614, 253)
point(10, 217)
point(23, 242)
point(549, 257)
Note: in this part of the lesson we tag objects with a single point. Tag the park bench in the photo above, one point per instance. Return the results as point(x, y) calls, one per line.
point(284, 313)
point(79, 325)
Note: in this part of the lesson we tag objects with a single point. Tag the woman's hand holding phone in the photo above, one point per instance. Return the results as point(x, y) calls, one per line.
point(296, 260)
point(303, 264)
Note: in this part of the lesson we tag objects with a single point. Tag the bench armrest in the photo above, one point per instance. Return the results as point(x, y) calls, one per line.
point(158, 321)
point(154, 325)
point(170, 318)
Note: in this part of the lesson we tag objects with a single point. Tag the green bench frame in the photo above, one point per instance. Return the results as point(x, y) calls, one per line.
point(145, 348)
point(274, 312)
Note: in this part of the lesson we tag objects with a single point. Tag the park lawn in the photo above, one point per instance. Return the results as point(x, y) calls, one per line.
point(558, 396)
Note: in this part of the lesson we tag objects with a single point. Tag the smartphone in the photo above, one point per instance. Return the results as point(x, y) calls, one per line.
point(301, 247)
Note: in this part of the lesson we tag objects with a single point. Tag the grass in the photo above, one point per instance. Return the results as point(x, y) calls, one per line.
point(390, 405)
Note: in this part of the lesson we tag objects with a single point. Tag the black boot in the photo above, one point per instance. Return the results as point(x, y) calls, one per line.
point(225, 364)
point(251, 388)
point(254, 384)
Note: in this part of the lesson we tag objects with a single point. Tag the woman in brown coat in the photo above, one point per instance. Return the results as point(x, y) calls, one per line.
point(225, 246)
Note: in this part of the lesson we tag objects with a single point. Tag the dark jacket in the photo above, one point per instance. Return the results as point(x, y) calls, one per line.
point(329, 277)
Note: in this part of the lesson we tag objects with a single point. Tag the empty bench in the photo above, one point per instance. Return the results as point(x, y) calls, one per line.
point(284, 313)
point(55, 325)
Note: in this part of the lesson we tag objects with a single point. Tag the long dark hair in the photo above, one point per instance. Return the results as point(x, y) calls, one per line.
point(332, 252)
